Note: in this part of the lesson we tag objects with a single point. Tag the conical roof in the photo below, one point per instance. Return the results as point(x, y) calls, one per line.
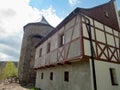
point(43, 20)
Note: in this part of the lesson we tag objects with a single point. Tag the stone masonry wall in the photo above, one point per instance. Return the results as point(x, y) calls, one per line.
point(26, 72)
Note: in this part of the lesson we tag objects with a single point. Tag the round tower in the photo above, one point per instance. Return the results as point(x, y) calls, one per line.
point(33, 33)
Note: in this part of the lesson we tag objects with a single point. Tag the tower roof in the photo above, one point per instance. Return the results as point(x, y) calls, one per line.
point(43, 20)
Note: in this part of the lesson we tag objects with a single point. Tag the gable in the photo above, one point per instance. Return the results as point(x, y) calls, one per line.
point(105, 14)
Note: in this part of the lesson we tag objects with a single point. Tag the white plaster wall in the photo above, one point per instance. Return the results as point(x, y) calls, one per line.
point(68, 34)
point(61, 30)
point(76, 32)
point(117, 42)
point(54, 42)
point(47, 59)
point(108, 29)
point(85, 33)
point(100, 36)
point(87, 47)
point(98, 24)
point(103, 75)
point(70, 23)
point(116, 33)
point(42, 60)
point(53, 57)
point(74, 49)
point(79, 77)
point(110, 40)
point(44, 48)
point(37, 53)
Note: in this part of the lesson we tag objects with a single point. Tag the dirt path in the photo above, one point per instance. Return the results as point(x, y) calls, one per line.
point(12, 86)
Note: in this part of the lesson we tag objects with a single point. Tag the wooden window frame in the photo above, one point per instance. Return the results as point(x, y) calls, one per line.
point(113, 76)
point(66, 76)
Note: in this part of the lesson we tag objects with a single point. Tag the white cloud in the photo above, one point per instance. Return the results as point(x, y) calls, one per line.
point(14, 14)
point(51, 16)
point(5, 57)
point(73, 2)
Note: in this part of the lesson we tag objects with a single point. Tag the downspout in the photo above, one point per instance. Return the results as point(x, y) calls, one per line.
point(92, 52)
point(118, 19)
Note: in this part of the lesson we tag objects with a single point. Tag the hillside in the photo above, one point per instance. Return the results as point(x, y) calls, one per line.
point(2, 63)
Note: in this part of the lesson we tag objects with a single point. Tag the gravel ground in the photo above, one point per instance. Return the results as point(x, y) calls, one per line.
point(12, 86)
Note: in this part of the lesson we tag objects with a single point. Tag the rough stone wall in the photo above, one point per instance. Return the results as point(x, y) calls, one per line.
point(26, 72)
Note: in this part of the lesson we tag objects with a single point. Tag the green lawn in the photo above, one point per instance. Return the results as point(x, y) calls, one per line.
point(35, 89)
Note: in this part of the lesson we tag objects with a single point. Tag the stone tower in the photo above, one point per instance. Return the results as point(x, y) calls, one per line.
point(33, 33)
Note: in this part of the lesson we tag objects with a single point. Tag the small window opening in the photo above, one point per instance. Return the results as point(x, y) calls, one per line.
point(42, 75)
point(40, 52)
point(62, 40)
point(66, 76)
point(51, 75)
point(113, 76)
point(48, 47)
point(106, 14)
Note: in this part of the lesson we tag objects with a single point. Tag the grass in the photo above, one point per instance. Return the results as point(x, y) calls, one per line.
point(35, 89)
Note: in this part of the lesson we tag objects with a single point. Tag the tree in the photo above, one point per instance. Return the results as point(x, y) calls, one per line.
point(9, 70)
point(119, 12)
point(0, 73)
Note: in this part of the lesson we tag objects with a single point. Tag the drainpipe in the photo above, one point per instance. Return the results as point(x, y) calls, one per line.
point(118, 18)
point(92, 52)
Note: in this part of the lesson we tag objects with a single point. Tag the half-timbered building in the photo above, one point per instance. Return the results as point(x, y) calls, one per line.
point(82, 52)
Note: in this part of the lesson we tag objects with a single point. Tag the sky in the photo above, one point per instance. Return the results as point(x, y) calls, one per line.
point(14, 14)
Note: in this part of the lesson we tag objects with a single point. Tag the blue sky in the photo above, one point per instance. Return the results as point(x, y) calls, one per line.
point(15, 14)
point(63, 7)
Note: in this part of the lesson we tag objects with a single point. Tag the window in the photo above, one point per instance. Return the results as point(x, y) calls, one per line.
point(42, 75)
point(48, 47)
point(62, 40)
point(106, 14)
point(51, 75)
point(113, 76)
point(40, 52)
point(66, 76)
